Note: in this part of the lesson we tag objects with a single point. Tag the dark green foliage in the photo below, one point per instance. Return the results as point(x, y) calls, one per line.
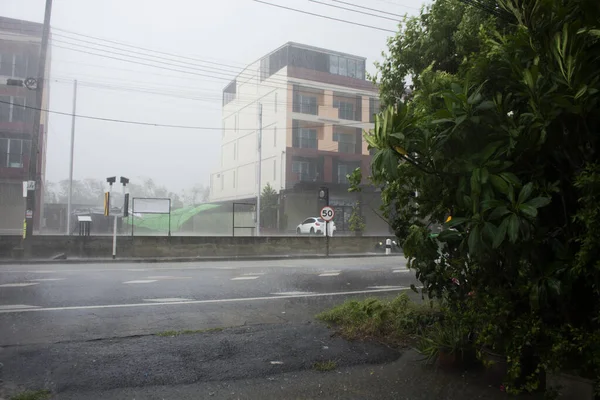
point(501, 133)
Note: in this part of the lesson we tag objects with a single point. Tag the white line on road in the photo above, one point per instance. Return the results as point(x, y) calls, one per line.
point(244, 278)
point(384, 287)
point(16, 307)
point(48, 279)
point(216, 301)
point(142, 281)
point(330, 273)
point(397, 271)
point(19, 284)
point(168, 300)
point(169, 277)
point(291, 293)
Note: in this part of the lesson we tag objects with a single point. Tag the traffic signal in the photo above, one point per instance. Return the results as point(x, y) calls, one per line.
point(324, 195)
point(126, 205)
point(106, 204)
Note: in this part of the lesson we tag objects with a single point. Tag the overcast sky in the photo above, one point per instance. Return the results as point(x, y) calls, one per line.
point(228, 33)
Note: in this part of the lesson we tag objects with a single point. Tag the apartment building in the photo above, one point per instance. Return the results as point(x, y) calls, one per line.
point(20, 43)
point(311, 105)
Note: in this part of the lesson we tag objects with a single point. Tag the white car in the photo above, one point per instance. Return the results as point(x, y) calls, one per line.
point(315, 225)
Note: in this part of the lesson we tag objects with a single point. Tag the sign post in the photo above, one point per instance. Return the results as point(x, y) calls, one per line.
point(327, 213)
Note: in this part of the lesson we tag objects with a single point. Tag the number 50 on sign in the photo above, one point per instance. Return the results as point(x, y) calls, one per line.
point(327, 213)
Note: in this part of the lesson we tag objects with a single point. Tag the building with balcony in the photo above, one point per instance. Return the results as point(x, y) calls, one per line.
point(314, 105)
point(20, 43)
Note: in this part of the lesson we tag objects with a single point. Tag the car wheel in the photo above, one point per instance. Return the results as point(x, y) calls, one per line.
point(298, 231)
point(312, 231)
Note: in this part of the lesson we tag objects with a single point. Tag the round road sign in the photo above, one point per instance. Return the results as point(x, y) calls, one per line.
point(327, 213)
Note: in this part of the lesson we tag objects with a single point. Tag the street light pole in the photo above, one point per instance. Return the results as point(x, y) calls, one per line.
point(259, 171)
point(70, 199)
point(35, 135)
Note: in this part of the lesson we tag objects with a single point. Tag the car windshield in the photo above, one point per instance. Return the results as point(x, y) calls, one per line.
point(320, 220)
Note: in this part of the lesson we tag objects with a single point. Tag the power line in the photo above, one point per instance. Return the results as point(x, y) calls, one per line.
point(355, 11)
point(228, 73)
point(372, 9)
point(288, 89)
point(325, 16)
point(160, 125)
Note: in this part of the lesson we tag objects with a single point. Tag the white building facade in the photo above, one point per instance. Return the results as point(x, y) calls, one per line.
point(315, 104)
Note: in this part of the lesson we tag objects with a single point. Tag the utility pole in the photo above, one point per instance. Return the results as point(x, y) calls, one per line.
point(70, 199)
point(259, 172)
point(35, 135)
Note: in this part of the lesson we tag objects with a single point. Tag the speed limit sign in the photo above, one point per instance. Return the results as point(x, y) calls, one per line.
point(327, 213)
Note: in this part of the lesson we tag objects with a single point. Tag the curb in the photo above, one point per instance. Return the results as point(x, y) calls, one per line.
point(193, 259)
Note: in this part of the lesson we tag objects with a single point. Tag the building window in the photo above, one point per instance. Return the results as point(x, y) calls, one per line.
point(14, 111)
point(235, 127)
point(350, 67)
point(333, 65)
point(274, 169)
point(18, 109)
point(307, 104)
point(275, 101)
point(6, 64)
point(346, 142)
point(20, 66)
point(5, 108)
point(343, 170)
point(302, 169)
point(13, 152)
point(305, 138)
point(374, 108)
point(345, 109)
point(275, 137)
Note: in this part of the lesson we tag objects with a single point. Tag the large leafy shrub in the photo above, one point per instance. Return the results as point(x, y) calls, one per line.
point(506, 144)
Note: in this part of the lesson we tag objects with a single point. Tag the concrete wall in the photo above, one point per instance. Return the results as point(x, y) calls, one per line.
point(45, 247)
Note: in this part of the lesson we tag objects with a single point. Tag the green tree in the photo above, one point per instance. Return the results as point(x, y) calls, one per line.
point(443, 36)
point(505, 141)
point(269, 203)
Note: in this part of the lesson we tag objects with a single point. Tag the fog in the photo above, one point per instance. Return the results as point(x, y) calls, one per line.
point(229, 34)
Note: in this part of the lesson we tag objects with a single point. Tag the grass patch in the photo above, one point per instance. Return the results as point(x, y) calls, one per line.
point(324, 366)
point(32, 395)
point(188, 332)
point(395, 321)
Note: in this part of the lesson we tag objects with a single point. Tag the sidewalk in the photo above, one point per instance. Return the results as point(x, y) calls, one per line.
point(191, 259)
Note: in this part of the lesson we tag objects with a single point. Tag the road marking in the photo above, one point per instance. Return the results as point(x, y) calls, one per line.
point(215, 301)
point(276, 362)
point(48, 279)
point(244, 278)
point(169, 277)
point(384, 287)
point(19, 284)
point(168, 300)
point(16, 307)
point(330, 273)
point(142, 281)
point(291, 293)
point(397, 271)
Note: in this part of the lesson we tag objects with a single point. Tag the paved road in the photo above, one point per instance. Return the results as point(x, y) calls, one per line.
point(44, 304)
point(88, 331)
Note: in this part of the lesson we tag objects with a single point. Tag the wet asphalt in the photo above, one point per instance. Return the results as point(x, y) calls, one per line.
point(90, 331)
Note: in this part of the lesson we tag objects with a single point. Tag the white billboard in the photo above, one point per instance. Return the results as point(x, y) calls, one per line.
point(151, 206)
